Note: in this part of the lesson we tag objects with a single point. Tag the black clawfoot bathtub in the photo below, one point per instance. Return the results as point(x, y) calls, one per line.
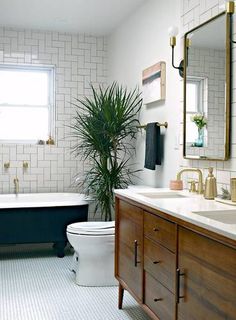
point(40, 217)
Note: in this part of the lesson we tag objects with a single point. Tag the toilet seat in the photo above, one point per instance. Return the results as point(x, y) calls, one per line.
point(92, 228)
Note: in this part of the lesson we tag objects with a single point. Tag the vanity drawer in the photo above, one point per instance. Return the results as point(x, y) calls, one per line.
point(130, 225)
point(131, 212)
point(160, 230)
point(160, 263)
point(159, 299)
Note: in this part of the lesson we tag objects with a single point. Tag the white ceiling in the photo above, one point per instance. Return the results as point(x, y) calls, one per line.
point(77, 16)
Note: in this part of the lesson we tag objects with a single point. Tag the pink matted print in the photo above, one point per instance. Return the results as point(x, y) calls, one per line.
point(154, 83)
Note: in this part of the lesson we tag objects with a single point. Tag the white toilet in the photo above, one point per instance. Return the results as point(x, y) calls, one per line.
point(94, 244)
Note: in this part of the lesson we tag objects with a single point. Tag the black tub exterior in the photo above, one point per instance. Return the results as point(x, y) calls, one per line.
point(40, 225)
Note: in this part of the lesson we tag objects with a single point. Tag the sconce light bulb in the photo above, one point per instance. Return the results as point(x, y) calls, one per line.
point(173, 31)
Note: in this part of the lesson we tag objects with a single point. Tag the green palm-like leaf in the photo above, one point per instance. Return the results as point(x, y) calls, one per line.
point(104, 126)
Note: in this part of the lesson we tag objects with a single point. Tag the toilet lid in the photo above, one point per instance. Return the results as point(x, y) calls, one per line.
point(92, 228)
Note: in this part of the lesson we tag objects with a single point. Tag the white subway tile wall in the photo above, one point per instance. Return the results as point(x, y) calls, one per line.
point(79, 60)
point(210, 64)
point(194, 12)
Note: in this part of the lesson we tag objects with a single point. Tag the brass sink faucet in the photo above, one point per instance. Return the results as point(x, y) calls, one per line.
point(200, 177)
point(16, 184)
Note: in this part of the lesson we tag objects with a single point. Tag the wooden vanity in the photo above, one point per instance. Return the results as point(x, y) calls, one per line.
point(173, 268)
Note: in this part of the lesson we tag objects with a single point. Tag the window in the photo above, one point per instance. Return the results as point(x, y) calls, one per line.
point(193, 96)
point(26, 103)
point(195, 104)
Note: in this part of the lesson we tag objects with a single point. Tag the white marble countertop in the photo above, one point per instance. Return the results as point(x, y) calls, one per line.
point(184, 207)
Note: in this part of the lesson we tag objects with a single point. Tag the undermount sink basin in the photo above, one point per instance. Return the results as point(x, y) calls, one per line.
point(228, 217)
point(161, 195)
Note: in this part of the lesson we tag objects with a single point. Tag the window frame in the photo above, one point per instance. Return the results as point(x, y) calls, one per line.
point(50, 69)
point(201, 83)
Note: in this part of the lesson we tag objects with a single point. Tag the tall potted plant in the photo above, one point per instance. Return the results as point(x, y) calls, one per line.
point(105, 126)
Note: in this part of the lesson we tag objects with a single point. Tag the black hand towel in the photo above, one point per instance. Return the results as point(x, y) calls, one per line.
point(153, 146)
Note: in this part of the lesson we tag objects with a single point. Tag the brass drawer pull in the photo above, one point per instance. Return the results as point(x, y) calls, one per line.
point(155, 229)
point(156, 262)
point(159, 299)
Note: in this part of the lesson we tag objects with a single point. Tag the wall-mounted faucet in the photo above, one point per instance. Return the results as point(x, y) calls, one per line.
point(25, 165)
point(16, 184)
point(200, 177)
point(6, 165)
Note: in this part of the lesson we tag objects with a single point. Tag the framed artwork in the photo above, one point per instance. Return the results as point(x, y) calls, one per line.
point(154, 83)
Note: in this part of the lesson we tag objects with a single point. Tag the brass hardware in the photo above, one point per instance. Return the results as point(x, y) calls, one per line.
point(200, 177)
point(228, 77)
point(50, 141)
point(188, 42)
point(210, 186)
point(155, 229)
point(172, 41)
point(16, 183)
point(25, 165)
point(173, 31)
point(6, 165)
point(157, 299)
point(230, 7)
point(165, 124)
point(192, 186)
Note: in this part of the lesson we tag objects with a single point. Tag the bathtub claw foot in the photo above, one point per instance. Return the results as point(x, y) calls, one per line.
point(59, 248)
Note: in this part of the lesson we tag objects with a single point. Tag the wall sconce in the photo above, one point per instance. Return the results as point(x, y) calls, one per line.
point(173, 31)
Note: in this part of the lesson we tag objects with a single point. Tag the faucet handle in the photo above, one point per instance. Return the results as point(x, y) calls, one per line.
point(192, 185)
point(7, 165)
point(25, 165)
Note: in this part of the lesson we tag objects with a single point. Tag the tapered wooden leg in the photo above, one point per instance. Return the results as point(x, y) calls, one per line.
point(121, 295)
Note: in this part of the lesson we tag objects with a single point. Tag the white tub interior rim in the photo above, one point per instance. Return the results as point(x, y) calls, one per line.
point(35, 200)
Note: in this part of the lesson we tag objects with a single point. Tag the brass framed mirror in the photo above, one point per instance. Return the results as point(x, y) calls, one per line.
point(207, 89)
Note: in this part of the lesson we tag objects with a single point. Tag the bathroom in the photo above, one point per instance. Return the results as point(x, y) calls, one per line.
point(86, 43)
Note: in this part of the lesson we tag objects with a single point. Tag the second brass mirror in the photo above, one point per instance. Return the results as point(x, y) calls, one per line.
point(207, 83)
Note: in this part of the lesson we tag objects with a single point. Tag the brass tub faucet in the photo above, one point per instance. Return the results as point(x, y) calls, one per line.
point(16, 184)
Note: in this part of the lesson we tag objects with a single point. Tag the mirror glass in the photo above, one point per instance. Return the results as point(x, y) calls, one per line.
point(205, 104)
